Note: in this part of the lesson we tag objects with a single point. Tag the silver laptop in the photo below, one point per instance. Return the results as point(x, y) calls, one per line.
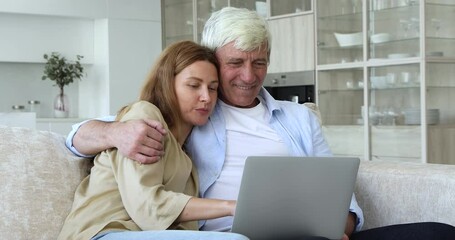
point(295, 197)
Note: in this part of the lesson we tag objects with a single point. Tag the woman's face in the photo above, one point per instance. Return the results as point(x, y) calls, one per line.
point(196, 88)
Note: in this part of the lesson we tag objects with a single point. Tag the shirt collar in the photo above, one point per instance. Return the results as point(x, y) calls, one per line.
point(270, 103)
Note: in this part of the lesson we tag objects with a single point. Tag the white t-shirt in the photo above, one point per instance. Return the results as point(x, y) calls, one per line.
point(248, 134)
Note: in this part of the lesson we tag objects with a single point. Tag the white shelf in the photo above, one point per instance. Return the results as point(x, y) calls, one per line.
point(419, 81)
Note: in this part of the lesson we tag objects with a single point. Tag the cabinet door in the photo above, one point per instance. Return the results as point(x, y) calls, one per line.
point(340, 100)
point(178, 21)
point(339, 32)
point(292, 44)
point(249, 4)
point(394, 30)
point(285, 7)
point(394, 111)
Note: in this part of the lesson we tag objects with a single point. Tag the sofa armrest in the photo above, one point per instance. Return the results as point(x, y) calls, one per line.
point(38, 178)
point(398, 192)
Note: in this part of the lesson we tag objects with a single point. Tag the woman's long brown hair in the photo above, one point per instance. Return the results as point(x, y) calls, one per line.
point(159, 87)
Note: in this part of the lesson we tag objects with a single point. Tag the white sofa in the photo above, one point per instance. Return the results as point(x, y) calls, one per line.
point(38, 176)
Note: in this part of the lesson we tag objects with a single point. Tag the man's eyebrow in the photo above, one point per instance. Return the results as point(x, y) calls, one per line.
point(235, 59)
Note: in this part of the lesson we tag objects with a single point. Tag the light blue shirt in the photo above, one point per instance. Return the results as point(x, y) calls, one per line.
point(297, 126)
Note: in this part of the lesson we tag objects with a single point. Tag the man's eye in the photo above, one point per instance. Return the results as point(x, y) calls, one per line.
point(260, 64)
point(235, 63)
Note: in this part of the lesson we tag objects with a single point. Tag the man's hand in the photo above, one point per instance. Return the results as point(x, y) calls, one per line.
point(350, 226)
point(140, 140)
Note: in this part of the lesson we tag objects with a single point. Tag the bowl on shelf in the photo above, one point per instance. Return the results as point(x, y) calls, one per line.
point(348, 39)
point(380, 37)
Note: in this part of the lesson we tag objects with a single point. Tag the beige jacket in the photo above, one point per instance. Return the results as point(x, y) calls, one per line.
point(121, 194)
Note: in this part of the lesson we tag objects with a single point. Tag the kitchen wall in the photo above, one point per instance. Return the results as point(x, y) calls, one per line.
point(20, 82)
point(119, 40)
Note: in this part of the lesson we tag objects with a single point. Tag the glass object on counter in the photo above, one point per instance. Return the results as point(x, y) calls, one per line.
point(18, 108)
point(339, 31)
point(284, 7)
point(34, 106)
point(61, 105)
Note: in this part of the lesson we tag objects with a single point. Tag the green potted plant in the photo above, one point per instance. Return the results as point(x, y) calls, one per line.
point(63, 72)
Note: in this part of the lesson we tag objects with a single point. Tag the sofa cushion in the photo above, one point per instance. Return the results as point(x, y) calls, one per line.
point(37, 183)
point(400, 192)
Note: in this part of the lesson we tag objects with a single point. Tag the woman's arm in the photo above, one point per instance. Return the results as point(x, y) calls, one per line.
point(201, 209)
point(158, 195)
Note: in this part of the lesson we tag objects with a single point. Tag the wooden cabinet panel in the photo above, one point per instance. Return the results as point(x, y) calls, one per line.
point(292, 44)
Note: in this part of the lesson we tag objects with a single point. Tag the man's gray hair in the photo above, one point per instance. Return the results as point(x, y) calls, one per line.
point(246, 28)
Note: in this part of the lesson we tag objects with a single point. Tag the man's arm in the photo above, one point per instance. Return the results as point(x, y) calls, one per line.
point(350, 225)
point(140, 140)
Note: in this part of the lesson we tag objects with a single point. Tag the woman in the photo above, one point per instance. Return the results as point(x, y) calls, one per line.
point(122, 199)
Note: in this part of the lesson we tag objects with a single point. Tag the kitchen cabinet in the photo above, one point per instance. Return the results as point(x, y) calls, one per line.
point(291, 25)
point(292, 44)
point(385, 78)
point(286, 7)
point(49, 33)
point(185, 19)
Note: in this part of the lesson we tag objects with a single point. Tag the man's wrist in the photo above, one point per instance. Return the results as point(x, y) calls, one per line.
point(110, 133)
point(352, 223)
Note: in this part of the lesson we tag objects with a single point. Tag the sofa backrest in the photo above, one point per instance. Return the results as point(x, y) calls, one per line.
point(399, 192)
point(38, 177)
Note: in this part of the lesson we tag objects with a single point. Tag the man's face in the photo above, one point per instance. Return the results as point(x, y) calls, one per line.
point(242, 74)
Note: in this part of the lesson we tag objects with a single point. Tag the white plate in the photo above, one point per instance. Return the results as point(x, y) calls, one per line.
point(400, 55)
point(380, 38)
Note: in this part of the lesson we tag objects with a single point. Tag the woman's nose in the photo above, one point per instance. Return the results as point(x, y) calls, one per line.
point(205, 95)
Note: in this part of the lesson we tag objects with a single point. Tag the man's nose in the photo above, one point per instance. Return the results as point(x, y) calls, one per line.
point(248, 73)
